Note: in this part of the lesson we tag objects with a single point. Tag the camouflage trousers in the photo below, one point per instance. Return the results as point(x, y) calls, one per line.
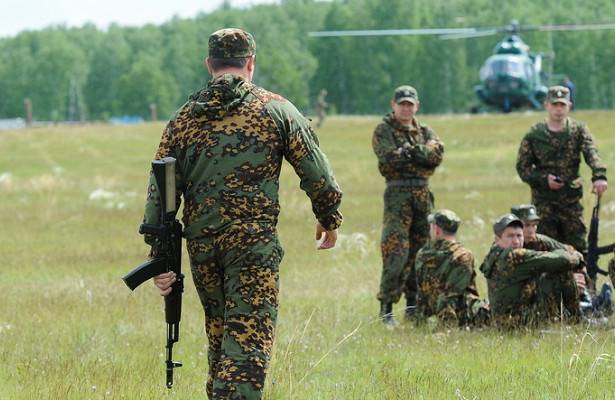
point(563, 222)
point(405, 230)
point(612, 270)
point(236, 276)
point(557, 290)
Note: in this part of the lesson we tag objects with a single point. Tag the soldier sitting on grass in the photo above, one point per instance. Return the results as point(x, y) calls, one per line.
point(512, 272)
point(569, 288)
point(446, 277)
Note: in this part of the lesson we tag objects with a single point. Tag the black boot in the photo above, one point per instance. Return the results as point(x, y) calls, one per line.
point(410, 309)
point(386, 315)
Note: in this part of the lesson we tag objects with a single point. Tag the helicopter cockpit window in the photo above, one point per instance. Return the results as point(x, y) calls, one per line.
point(504, 67)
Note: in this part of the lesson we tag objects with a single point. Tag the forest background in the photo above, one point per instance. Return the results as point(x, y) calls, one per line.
point(86, 73)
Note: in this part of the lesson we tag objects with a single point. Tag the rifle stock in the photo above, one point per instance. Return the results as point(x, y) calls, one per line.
point(167, 257)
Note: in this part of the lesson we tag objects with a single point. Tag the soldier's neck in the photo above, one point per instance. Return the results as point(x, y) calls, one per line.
point(556, 126)
point(233, 71)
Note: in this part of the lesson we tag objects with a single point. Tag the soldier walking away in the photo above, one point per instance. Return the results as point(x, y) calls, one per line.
point(321, 107)
point(513, 274)
point(548, 161)
point(446, 277)
point(229, 140)
point(408, 153)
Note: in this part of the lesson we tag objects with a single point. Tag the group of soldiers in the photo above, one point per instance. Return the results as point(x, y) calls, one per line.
point(532, 278)
point(229, 140)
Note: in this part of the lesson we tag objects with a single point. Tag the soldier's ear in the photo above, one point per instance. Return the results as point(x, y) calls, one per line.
point(208, 66)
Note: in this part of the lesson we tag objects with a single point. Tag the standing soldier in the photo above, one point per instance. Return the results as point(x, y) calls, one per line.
point(321, 107)
point(513, 273)
point(548, 161)
point(229, 140)
point(408, 154)
point(445, 275)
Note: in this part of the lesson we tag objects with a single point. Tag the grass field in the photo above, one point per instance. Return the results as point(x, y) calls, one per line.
point(72, 200)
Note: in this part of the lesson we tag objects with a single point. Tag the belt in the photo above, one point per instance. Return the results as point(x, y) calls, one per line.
point(414, 182)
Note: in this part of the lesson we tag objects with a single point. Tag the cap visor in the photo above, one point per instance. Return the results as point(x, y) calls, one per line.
point(408, 99)
point(563, 101)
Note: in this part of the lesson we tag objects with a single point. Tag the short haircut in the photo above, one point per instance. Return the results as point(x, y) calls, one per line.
point(220, 63)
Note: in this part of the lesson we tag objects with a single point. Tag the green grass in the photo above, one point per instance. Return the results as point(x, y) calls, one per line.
point(70, 329)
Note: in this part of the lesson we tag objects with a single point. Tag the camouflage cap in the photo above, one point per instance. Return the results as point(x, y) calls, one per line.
point(525, 212)
point(505, 221)
point(445, 219)
point(558, 94)
point(406, 93)
point(231, 43)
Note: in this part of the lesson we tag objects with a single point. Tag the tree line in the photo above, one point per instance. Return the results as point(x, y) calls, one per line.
point(88, 73)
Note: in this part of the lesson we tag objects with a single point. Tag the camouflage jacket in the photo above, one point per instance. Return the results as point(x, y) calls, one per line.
point(420, 161)
point(229, 140)
point(511, 281)
point(542, 153)
point(546, 243)
point(446, 281)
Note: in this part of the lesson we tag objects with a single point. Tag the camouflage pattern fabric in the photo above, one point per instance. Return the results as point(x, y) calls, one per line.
point(405, 228)
point(542, 153)
point(446, 283)
point(556, 288)
point(236, 276)
point(513, 284)
point(231, 43)
point(229, 140)
point(419, 162)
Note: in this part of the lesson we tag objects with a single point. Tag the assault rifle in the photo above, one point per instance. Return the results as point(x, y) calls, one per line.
point(166, 256)
point(593, 250)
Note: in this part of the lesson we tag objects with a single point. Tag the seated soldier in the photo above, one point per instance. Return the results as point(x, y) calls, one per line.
point(556, 288)
point(445, 276)
point(512, 273)
point(571, 289)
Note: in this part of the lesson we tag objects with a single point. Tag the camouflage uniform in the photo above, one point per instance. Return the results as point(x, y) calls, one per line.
point(229, 140)
point(446, 282)
point(513, 284)
point(556, 288)
point(543, 152)
point(407, 200)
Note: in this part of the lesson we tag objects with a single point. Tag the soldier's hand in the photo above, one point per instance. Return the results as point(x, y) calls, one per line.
point(579, 278)
point(164, 282)
point(328, 237)
point(599, 186)
point(553, 184)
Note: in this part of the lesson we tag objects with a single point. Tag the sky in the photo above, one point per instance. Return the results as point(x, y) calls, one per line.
point(19, 15)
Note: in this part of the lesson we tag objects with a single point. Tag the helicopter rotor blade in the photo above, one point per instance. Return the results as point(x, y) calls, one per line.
point(394, 32)
point(480, 33)
point(570, 27)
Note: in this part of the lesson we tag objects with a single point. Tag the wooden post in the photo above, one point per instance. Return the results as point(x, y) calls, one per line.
point(27, 103)
point(153, 112)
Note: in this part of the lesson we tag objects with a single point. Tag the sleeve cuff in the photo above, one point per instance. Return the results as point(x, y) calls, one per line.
point(331, 222)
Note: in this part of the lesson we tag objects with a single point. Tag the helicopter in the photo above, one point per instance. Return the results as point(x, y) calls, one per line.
point(512, 78)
